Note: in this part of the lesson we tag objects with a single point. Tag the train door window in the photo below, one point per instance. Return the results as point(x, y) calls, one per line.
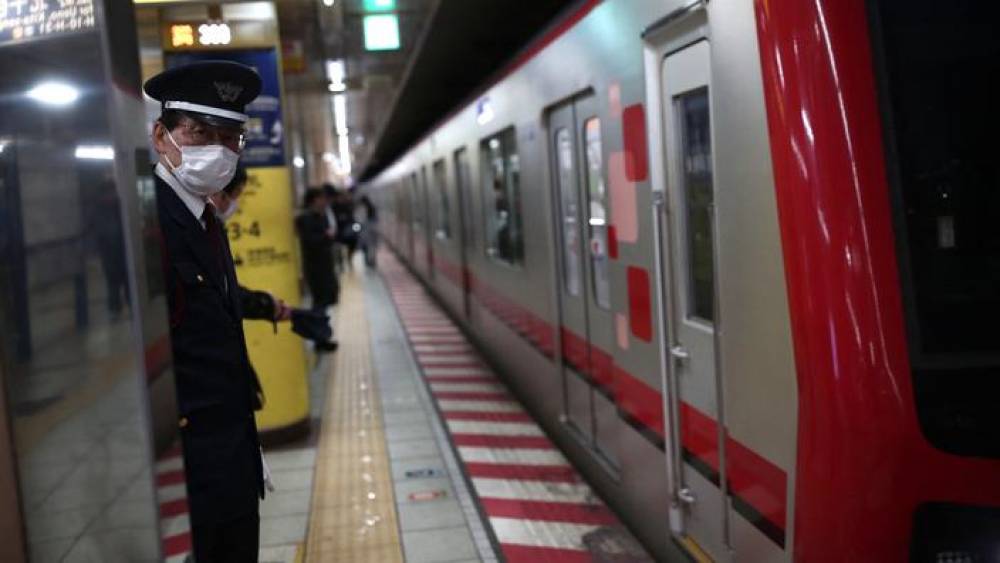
point(502, 197)
point(463, 181)
point(940, 120)
point(566, 176)
point(597, 216)
point(696, 176)
point(443, 209)
point(416, 207)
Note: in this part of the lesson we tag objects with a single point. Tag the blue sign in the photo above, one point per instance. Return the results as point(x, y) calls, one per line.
point(265, 133)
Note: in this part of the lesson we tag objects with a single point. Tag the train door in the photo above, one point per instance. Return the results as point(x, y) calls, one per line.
point(462, 187)
point(692, 314)
point(428, 232)
point(580, 195)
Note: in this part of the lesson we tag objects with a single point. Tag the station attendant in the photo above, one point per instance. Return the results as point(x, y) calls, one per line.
point(198, 137)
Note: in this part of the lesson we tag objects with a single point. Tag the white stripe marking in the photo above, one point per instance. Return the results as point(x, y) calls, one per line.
point(511, 456)
point(577, 493)
point(560, 535)
point(468, 387)
point(175, 525)
point(175, 463)
point(438, 359)
point(171, 492)
point(479, 406)
point(431, 348)
point(446, 371)
point(494, 428)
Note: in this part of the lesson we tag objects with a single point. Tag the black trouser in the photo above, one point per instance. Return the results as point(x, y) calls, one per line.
point(235, 541)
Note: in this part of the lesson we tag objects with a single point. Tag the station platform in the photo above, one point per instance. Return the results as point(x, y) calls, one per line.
point(418, 453)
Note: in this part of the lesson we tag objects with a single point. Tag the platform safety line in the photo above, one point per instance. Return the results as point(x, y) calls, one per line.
point(538, 506)
point(353, 512)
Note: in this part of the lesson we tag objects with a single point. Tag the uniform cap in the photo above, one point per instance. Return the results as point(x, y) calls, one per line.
point(214, 91)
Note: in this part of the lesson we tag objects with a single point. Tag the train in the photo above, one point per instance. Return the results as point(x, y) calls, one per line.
point(739, 259)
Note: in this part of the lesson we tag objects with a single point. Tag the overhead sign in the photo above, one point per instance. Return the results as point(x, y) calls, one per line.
point(32, 19)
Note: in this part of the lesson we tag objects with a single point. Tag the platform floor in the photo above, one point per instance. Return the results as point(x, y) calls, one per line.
point(419, 453)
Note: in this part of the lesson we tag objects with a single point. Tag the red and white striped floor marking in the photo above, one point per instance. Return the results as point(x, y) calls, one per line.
point(538, 505)
point(171, 493)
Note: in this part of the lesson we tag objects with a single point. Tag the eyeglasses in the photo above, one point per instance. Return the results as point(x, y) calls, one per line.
point(232, 138)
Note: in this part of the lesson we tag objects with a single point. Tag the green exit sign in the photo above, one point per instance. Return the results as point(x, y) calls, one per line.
point(380, 5)
point(381, 32)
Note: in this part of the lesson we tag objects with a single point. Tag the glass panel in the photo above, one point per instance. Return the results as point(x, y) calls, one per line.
point(941, 121)
point(696, 159)
point(597, 215)
point(569, 209)
point(70, 348)
point(444, 210)
point(502, 195)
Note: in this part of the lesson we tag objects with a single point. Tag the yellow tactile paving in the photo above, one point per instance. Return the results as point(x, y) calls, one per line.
point(353, 515)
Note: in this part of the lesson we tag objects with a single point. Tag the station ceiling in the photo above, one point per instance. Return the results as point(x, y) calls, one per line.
point(465, 44)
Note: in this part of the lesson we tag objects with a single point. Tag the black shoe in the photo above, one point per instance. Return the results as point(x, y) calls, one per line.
point(327, 346)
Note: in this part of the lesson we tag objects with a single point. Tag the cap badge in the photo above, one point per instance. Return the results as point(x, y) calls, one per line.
point(228, 92)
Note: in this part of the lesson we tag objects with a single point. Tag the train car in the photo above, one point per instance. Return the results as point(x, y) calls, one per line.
point(738, 257)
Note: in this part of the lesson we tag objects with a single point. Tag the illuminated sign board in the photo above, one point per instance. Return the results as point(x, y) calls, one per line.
point(208, 34)
point(381, 32)
point(379, 5)
point(33, 19)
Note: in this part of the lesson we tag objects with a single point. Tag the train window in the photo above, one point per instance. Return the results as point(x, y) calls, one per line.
point(502, 197)
point(443, 209)
point(597, 212)
point(696, 176)
point(940, 120)
point(569, 210)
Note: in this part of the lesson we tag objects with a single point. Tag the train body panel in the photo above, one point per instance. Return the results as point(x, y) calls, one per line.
point(615, 244)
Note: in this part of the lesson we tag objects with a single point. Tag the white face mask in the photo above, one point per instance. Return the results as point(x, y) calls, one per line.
point(204, 170)
point(229, 212)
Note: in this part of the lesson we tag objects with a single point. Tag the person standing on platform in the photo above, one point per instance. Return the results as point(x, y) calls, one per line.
point(199, 137)
point(316, 236)
point(369, 233)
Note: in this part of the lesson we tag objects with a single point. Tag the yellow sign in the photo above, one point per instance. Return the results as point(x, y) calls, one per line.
point(262, 237)
point(181, 35)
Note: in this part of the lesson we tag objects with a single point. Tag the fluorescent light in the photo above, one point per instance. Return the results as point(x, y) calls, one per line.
point(381, 32)
point(340, 114)
point(345, 154)
point(58, 94)
point(299, 162)
point(336, 72)
point(95, 152)
point(328, 157)
point(328, 3)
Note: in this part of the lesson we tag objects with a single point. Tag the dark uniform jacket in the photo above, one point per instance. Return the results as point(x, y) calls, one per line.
point(214, 378)
point(317, 256)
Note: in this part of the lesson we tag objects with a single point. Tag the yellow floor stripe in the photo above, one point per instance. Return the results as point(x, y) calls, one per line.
point(353, 514)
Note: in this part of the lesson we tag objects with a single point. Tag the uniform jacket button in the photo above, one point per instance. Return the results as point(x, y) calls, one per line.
point(182, 422)
point(200, 278)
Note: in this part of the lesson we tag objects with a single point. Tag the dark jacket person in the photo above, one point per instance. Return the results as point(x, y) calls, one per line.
point(199, 136)
point(316, 237)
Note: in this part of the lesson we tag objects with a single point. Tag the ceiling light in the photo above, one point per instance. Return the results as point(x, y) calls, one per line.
point(328, 3)
point(379, 5)
point(57, 94)
point(299, 162)
point(95, 152)
point(328, 157)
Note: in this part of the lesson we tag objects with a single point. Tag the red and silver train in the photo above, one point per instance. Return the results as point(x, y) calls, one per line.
point(741, 258)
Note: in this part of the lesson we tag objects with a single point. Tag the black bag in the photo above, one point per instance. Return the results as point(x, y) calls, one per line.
point(312, 325)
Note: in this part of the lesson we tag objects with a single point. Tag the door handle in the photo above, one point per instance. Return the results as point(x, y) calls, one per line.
point(680, 353)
